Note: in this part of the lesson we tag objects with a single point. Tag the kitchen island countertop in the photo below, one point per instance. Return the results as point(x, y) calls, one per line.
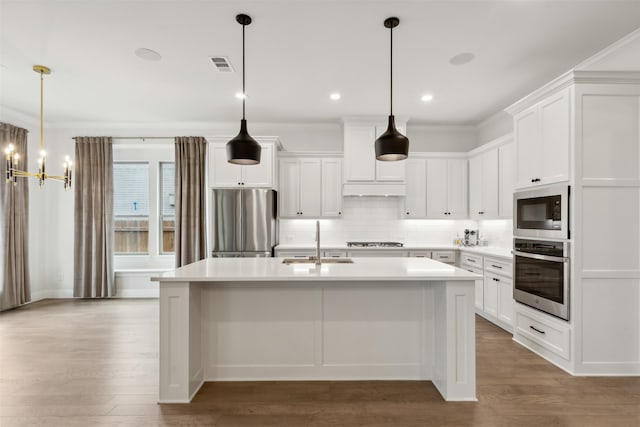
point(273, 269)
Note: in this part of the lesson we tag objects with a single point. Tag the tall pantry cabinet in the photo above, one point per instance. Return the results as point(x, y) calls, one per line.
point(583, 130)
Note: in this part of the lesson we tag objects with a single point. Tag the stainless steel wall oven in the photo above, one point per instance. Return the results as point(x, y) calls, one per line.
point(541, 275)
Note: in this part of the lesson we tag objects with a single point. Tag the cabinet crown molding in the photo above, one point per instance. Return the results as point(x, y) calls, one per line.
point(570, 78)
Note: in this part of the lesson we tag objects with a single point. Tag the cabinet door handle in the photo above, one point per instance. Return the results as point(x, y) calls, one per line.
point(496, 280)
point(496, 266)
point(408, 213)
point(339, 213)
point(481, 213)
point(536, 329)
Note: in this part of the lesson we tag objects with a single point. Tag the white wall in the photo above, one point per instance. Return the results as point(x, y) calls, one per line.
point(429, 138)
point(499, 124)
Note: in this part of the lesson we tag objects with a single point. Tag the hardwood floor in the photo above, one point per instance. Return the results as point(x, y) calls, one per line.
point(94, 363)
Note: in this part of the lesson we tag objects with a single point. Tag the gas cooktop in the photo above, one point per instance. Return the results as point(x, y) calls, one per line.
point(375, 244)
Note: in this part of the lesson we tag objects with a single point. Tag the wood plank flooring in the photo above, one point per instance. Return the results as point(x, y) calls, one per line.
point(95, 363)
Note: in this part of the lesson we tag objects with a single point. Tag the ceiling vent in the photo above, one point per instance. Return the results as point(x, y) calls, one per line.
point(222, 64)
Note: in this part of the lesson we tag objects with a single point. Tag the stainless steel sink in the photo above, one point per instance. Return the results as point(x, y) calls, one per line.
point(313, 261)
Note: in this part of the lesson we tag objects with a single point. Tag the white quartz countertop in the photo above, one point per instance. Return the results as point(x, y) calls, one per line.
point(481, 250)
point(273, 270)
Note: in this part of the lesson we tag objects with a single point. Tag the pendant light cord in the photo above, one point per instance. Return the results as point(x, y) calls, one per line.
point(391, 68)
point(244, 93)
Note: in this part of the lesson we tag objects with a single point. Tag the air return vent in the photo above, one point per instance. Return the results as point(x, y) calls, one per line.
point(222, 64)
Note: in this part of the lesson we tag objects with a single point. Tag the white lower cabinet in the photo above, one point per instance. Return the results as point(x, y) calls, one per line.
point(490, 297)
point(295, 253)
point(420, 254)
point(541, 332)
point(448, 257)
point(334, 254)
point(494, 294)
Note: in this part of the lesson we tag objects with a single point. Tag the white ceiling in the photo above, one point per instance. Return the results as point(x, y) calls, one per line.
point(298, 52)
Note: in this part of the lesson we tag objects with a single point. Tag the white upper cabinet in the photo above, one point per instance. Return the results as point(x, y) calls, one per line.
point(358, 153)
point(542, 134)
point(360, 157)
point(506, 179)
point(446, 188)
point(555, 124)
point(456, 188)
point(300, 187)
point(223, 174)
point(416, 199)
point(483, 185)
point(310, 187)
point(331, 187)
point(288, 196)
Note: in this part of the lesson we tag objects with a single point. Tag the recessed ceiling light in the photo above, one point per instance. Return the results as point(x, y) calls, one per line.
point(462, 58)
point(147, 54)
point(335, 96)
point(427, 97)
point(241, 95)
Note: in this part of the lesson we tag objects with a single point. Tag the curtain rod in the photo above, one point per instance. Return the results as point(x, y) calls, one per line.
point(136, 137)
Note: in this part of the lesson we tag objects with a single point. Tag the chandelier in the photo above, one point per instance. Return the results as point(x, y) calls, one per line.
point(13, 159)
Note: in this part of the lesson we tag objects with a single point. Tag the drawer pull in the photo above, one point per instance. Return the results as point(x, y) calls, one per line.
point(496, 266)
point(471, 260)
point(536, 329)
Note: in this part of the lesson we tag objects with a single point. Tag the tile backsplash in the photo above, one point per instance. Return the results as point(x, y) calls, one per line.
point(380, 219)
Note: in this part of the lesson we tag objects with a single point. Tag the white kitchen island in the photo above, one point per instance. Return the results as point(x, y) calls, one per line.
point(245, 319)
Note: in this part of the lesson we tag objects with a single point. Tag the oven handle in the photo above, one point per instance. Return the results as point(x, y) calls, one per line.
point(541, 257)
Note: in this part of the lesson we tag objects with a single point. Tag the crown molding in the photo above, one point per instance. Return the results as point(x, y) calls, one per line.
point(570, 78)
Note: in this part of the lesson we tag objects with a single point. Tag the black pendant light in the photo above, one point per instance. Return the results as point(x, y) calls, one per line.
point(243, 149)
point(392, 145)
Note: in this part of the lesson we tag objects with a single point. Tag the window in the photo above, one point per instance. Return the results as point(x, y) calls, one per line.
point(167, 207)
point(131, 208)
point(144, 211)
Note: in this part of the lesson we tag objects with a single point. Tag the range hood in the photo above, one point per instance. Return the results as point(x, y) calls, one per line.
point(374, 189)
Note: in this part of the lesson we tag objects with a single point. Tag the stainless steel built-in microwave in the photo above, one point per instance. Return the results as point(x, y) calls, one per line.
point(542, 213)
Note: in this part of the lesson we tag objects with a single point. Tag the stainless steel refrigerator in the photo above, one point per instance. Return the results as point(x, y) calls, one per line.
point(244, 222)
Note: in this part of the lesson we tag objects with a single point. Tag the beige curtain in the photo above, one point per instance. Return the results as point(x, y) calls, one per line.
point(93, 223)
point(14, 222)
point(191, 235)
